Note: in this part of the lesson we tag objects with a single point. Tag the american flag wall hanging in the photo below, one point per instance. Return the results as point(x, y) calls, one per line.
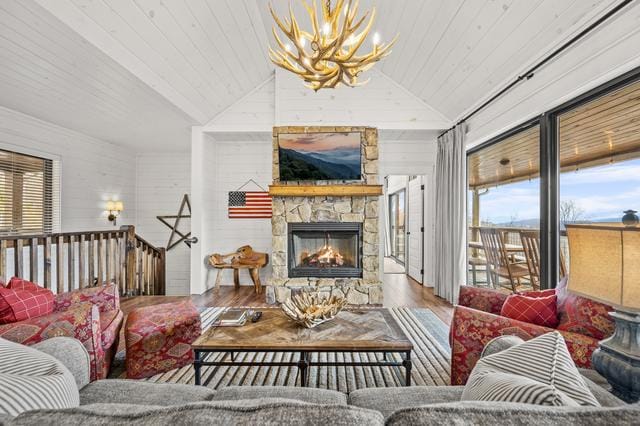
point(249, 205)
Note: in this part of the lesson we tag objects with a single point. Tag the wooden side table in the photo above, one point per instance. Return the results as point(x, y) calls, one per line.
point(254, 272)
point(243, 258)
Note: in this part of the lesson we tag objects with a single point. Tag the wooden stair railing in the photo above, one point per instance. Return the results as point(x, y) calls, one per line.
point(72, 260)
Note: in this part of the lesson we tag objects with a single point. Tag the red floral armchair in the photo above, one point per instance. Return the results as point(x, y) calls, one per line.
point(477, 320)
point(91, 315)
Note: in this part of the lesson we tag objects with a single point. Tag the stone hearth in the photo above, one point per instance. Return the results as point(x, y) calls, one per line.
point(364, 290)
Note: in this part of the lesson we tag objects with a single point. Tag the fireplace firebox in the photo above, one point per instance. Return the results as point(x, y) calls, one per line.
point(325, 250)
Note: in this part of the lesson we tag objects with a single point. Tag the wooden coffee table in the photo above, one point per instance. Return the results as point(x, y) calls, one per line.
point(370, 330)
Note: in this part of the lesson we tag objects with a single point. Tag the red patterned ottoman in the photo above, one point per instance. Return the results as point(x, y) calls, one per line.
point(159, 338)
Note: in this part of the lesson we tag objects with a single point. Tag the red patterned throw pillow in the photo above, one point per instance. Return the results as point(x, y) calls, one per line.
point(19, 284)
point(539, 293)
point(22, 300)
point(583, 316)
point(533, 310)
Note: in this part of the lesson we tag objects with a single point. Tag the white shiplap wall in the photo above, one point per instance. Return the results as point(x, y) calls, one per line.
point(92, 170)
point(232, 162)
point(604, 54)
point(161, 182)
point(229, 165)
point(396, 183)
point(253, 113)
point(237, 147)
point(382, 103)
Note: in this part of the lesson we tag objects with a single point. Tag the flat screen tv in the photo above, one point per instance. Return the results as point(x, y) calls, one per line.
point(319, 156)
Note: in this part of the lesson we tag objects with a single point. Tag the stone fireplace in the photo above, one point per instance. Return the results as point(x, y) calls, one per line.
point(328, 243)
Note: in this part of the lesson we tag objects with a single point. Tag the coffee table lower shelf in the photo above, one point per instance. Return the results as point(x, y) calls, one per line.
point(303, 363)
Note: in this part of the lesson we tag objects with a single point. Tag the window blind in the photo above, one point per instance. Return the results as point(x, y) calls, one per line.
point(27, 196)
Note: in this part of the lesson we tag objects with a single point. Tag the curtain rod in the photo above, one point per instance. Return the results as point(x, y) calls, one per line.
point(531, 72)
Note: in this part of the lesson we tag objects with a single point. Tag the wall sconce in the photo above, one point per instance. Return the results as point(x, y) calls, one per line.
point(114, 208)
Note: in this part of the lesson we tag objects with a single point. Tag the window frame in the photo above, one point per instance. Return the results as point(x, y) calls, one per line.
point(549, 164)
point(47, 196)
point(390, 197)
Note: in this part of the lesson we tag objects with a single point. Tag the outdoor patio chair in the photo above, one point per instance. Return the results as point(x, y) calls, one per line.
point(531, 246)
point(500, 263)
point(474, 263)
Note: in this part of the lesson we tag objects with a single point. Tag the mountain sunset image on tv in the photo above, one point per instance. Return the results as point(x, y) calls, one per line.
point(319, 156)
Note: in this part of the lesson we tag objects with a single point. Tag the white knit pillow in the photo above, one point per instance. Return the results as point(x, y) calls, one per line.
point(30, 380)
point(539, 371)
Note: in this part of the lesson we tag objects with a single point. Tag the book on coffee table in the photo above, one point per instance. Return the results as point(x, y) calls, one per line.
point(231, 318)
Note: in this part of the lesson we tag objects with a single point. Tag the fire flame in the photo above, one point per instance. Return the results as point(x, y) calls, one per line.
point(327, 255)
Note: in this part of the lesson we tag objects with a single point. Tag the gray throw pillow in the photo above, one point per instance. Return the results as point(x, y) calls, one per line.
point(499, 344)
point(539, 371)
point(30, 380)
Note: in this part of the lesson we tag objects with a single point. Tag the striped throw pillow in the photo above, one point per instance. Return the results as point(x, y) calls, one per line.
point(495, 386)
point(539, 371)
point(31, 380)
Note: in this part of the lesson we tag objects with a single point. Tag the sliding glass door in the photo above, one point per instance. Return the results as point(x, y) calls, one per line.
point(579, 162)
point(503, 195)
point(599, 154)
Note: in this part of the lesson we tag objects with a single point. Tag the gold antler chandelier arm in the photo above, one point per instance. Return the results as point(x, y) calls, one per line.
point(333, 45)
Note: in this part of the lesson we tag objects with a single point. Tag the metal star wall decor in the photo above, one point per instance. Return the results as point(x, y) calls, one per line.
point(186, 238)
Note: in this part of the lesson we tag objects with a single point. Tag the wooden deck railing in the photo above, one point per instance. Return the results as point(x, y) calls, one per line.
point(512, 236)
point(72, 260)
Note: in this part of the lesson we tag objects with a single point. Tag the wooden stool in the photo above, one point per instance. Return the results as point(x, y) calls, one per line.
point(243, 258)
point(254, 272)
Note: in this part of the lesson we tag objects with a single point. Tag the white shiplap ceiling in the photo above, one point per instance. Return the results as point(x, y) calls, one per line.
point(140, 72)
point(202, 55)
point(460, 51)
point(453, 53)
point(50, 72)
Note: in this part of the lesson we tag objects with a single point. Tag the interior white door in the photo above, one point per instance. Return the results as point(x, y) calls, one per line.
point(415, 230)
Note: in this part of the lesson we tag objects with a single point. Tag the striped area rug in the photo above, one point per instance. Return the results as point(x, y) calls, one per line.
point(430, 362)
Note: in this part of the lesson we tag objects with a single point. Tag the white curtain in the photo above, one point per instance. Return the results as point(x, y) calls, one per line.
point(451, 188)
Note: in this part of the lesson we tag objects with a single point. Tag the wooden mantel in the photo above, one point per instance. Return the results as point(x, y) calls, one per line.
point(324, 190)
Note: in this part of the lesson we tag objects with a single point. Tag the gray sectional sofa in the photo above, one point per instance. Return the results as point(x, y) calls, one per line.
point(117, 402)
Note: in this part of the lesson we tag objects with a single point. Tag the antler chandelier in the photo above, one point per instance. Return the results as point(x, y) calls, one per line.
point(328, 56)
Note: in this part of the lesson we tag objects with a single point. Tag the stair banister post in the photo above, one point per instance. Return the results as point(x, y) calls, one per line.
point(130, 253)
point(162, 271)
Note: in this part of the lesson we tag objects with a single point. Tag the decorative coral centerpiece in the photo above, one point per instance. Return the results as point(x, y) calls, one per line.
point(312, 309)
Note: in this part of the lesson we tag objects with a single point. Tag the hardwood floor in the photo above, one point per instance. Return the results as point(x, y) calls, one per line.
point(392, 267)
point(399, 291)
point(402, 291)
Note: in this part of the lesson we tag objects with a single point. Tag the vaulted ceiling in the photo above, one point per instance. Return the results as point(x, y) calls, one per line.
point(453, 53)
point(140, 72)
point(50, 72)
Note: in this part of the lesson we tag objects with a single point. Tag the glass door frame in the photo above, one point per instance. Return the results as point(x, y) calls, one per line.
point(392, 221)
point(550, 170)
